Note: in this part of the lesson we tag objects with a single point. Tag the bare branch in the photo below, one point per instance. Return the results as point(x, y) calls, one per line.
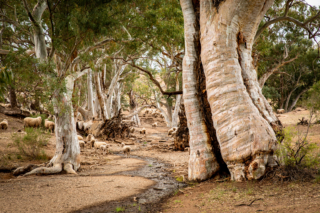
point(290, 19)
point(265, 76)
point(29, 14)
point(155, 81)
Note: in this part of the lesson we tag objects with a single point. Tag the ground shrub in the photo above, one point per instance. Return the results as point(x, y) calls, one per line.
point(30, 145)
point(296, 151)
point(298, 158)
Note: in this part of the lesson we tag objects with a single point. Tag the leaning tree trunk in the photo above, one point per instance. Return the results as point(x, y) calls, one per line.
point(243, 119)
point(294, 102)
point(67, 155)
point(202, 161)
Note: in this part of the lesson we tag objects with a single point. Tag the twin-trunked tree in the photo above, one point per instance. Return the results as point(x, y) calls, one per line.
point(232, 126)
point(219, 36)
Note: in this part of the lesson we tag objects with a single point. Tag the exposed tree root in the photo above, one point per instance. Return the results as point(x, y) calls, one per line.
point(24, 169)
point(45, 171)
point(68, 168)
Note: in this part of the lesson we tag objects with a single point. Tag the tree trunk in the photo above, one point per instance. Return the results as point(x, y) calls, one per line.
point(38, 34)
point(100, 97)
point(118, 72)
point(90, 95)
point(288, 99)
point(202, 162)
point(76, 94)
point(175, 116)
point(67, 155)
point(133, 107)
point(85, 113)
point(296, 99)
point(13, 97)
point(242, 117)
point(118, 96)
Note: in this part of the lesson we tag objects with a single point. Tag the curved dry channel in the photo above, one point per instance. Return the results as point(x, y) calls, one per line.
point(148, 201)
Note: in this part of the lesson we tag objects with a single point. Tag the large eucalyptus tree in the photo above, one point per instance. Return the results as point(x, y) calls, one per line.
point(238, 127)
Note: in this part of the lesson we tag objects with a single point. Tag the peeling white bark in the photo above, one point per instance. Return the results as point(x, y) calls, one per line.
point(117, 74)
point(241, 114)
point(175, 117)
point(202, 162)
point(101, 98)
point(90, 95)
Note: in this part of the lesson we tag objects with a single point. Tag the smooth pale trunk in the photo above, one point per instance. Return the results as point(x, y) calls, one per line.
point(165, 115)
point(202, 162)
point(175, 117)
point(90, 94)
point(67, 145)
point(38, 33)
point(84, 113)
point(242, 116)
point(118, 96)
point(67, 155)
point(100, 97)
point(118, 72)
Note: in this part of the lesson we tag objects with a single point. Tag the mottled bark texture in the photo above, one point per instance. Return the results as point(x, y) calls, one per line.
point(67, 155)
point(202, 161)
point(242, 117)
point(241, 131)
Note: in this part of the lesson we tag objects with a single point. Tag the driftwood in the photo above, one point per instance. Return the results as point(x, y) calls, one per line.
point(303, 122)
point(114, 127)
point(14, 112)
point(182, 136)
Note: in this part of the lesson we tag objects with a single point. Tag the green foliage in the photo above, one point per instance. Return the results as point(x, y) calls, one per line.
point(296, 151)
point(179, 179)
point(31, 144)
point(313, 97)
point(120, 209)
point(5, 80)
point(270, 92)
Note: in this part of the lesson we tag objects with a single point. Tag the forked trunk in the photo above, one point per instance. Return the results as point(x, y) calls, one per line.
point(38, 32)
point(242, 117)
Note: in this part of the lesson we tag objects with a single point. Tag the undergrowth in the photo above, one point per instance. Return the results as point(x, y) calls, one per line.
point(30, 145)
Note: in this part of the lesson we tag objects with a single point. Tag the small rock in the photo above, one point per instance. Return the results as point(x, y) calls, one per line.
point(142, 201)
